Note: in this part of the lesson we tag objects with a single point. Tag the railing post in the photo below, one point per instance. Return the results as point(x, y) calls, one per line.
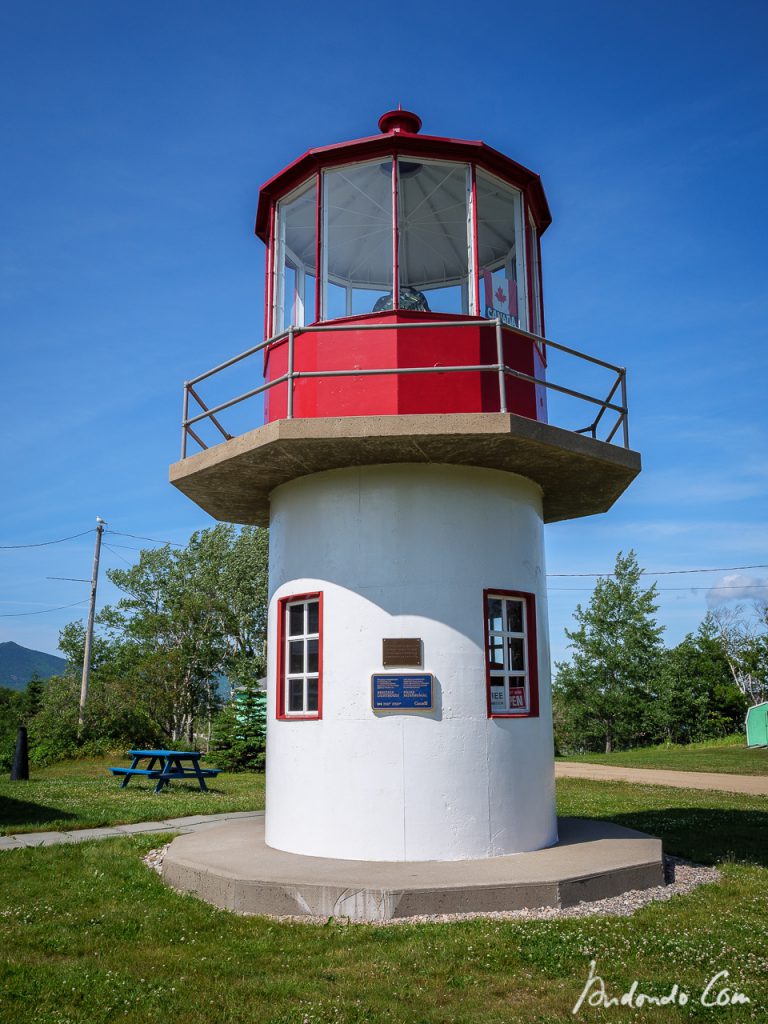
point(184, 415)
point(625, 414)
point(289, 411)
point(500, 362)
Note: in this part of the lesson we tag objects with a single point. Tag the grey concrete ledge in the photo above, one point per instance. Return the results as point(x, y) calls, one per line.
point(578, 476)
point(191, 823)
point(231, 867)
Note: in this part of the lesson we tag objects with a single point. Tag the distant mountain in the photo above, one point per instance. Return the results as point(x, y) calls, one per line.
point(18, 665)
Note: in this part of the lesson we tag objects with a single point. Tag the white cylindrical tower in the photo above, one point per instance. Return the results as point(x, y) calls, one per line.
point(452, 556)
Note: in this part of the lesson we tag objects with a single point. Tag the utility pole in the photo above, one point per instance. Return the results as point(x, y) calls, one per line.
point(100, 524)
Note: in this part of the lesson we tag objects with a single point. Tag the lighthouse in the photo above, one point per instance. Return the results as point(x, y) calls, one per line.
point(406, 466)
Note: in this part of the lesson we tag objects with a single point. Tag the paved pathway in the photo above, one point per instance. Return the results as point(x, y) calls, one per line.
point(752, 785)
point(192, 823)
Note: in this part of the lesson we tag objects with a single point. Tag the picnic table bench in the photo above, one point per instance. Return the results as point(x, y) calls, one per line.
point(166, 766)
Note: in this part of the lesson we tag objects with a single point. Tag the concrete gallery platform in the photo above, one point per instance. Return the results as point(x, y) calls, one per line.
point(230, 866)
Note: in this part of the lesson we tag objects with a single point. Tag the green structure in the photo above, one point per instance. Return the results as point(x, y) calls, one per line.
point(757, 725)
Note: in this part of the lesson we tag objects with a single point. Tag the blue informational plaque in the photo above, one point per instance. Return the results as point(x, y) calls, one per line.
point(401, 693)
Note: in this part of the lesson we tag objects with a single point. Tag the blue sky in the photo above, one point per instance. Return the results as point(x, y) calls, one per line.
point(136, 138)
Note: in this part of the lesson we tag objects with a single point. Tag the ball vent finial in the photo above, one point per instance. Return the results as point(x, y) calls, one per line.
point(400, 121)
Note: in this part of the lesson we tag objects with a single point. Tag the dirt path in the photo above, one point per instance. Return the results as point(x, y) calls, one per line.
point(752, 785)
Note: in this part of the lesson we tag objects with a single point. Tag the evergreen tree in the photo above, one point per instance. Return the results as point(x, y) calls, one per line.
point(240, 732)
point(603, 697)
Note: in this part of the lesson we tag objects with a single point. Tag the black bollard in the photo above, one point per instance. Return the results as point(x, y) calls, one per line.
point(20, 769)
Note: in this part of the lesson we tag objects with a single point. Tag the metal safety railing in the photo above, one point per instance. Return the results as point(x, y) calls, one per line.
point(499, 368)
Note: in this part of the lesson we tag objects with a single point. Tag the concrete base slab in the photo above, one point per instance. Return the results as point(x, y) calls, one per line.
point(231, 867)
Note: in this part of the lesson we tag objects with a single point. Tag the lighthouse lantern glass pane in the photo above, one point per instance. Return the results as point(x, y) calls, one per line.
point(434, 230)
point(500, 256)
point(296, 259)
point(357, 238)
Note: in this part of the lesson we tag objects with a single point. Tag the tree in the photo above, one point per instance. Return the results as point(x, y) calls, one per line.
point(696, 697)
point(240, 733)
point(603, 697)
point(745, 642)
point(10, 719)
point(189, 616)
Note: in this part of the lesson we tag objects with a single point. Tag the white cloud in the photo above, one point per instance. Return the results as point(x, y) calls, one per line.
point(737, 587)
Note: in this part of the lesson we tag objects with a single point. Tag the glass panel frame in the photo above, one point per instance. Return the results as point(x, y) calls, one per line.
point(370, 182)
point(512, 682)
point(435, 241)
point(501, 260)
point(295, 258)
point(300, 681)
point(537, 312)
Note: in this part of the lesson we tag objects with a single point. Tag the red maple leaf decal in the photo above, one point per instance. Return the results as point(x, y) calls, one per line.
point(500, 296)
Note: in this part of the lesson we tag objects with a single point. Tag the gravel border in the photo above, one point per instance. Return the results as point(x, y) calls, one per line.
point(682, 876)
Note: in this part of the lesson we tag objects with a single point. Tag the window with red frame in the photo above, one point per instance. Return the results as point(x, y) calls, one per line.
point(510, 653)
point(300, 657)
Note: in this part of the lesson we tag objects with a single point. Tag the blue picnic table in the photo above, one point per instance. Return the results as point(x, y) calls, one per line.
point(166, 766)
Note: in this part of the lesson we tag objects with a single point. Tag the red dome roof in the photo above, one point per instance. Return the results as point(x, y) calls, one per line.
point(399, 137)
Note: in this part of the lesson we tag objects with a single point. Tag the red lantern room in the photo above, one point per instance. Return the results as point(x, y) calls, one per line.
point(403, 229)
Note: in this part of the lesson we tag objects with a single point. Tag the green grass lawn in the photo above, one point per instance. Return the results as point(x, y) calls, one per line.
point(730, 756)
point(83, 794)
point(88, 936)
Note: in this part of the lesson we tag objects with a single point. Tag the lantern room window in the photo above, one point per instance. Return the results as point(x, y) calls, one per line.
point(500, 255)
point(435, 236)
point(296, 259)
point(455, 238)
point(357, 239)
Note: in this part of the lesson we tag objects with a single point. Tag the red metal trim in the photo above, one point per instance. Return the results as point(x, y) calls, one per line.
point(403, 144)
point(475, 246)
point(541, 295)
point(395, 239)
point(318, 244)
point(531, 325)
point(531, 651)
point(280, 712)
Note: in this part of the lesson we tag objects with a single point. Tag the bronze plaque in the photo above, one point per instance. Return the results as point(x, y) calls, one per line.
point(401, 651)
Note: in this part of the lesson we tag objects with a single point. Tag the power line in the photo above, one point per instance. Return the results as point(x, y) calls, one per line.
point(741, 586)
point(153, 540)
point(44, 543)
point(43, 611)
point(110, 548)
point(663, 572)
